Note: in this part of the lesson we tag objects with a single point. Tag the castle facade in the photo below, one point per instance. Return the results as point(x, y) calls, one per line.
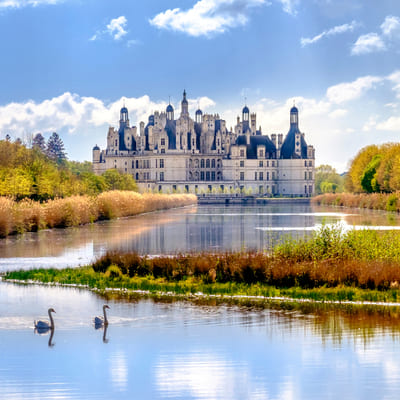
point(202, 155)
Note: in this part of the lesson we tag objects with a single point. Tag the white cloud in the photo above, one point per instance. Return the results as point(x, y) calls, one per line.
point(116, 27)
point(207, 17)
point(368, 43)
point(330, 32)
point(352, 90)
point(289, 6)
point(395, 79)
point(26, 3)
point(339, 113)
point(391, 124)
point(391, 26)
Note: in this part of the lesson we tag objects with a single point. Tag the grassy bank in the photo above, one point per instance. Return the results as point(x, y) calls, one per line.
point(329, 266)
point(28, 215)
point(372, 201)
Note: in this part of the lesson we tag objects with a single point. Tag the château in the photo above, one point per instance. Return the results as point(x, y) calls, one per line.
point(201, 155)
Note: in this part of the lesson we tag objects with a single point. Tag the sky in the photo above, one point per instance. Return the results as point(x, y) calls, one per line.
point(70, 65)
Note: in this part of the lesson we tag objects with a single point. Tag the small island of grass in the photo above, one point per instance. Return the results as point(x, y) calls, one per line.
point(329, 266)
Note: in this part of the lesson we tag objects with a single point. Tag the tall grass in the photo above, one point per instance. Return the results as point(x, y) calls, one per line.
point(28, 215)
point(372, 201)
point(331, 258)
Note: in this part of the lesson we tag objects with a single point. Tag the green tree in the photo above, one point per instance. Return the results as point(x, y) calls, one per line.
point(117, 181)
point(327, 180)
point(55, 149)
point(39, 143)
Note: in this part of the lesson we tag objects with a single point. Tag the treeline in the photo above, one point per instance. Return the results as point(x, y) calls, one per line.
point(375, 169)
point(43, 172)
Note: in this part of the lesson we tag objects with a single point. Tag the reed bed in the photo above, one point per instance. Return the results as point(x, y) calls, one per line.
point(372, 201)
point(28, 215)
point(330, 258)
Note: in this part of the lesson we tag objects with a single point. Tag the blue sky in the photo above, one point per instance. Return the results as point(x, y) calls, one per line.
point(68, 65)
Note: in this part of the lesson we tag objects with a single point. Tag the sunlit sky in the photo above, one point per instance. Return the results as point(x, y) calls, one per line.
point(68, 66)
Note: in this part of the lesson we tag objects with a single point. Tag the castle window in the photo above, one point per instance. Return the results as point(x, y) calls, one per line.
point(305, 174)
point(116, 142)
point(207, 175)
point(273, 163)
point(201, 163)
point(267, 163)
point(273, 175)
point(310, 163)
point(137, 176)
point(213, 175)
point(260, 176)
point(161, 176)
point(212, 163)
point(255, 176)
point(202, 175)
point(242, 176)
point(310, 189)
point(267, 176)
point(133, 164)
point(305, 189)
point(242, 164)
point(207, 163)
point(162, 142)
point(161, 163)
point(310, 175)
point(162, 151)
point(261, 154)
point(305, 163)
point(241, 153)
point(260, 164)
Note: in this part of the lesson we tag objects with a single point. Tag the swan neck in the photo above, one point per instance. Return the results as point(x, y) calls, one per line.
point(51, 320)
point(105, 316)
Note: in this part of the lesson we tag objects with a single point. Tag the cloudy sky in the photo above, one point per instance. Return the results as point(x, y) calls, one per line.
point(68, 66)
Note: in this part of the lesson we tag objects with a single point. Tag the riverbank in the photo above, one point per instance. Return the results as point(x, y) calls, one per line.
point(331, 265)
point(371, 201)
point(31, 216)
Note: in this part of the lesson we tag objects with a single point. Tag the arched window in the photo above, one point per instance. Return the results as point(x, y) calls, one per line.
point(202, 163)
point(207, 163)
point(213, 163)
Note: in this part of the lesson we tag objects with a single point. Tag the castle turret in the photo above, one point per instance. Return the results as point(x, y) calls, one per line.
point(170, 112)
point(96, 154)
point(184, 105)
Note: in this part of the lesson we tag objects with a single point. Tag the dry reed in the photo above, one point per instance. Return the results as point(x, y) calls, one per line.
point(28, 215)
point(372, 201)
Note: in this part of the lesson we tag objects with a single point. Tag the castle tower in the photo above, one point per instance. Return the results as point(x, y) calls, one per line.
point(123, 119)
point(170, 112)
point(184, 105)
point(199, 116)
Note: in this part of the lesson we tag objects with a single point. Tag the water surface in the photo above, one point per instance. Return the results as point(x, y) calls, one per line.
point(155, 350)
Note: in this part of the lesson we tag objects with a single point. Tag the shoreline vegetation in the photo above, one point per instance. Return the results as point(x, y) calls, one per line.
point(329, 266)
point(30, 216)
point(371, 201)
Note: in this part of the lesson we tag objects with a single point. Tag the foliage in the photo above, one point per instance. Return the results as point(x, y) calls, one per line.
point(327, 180)
point(375, 169)
point(55, 148)
point(29, 173)
point(117, 181)
point(39, 143)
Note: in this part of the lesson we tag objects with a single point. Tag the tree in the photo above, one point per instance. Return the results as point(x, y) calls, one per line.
point(117, 181)
point(39, 143)
point(327, 180)
point(55, 149)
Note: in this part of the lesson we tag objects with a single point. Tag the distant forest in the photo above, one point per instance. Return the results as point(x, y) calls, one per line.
point(42, 171)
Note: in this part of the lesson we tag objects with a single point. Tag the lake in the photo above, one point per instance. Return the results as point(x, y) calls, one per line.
point(182, 350)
